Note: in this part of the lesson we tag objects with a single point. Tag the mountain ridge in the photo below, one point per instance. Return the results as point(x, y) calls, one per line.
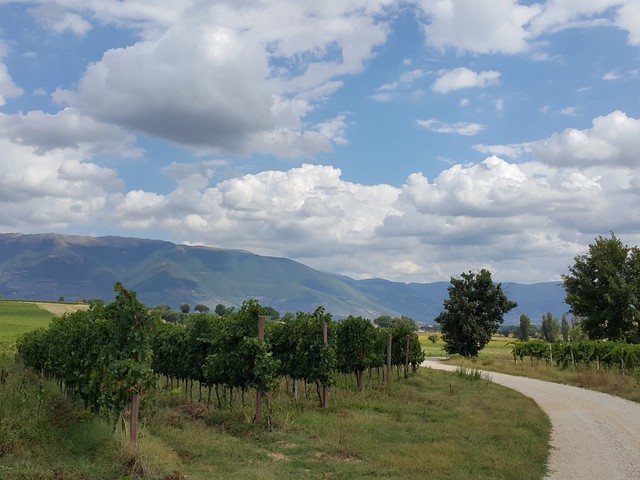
point(50, 266)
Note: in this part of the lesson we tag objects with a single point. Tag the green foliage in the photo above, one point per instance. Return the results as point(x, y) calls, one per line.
point(550, 328)
point(355, 346)
point(603, 288)
point(524, 328)
point(565, 328)
point(473, 313)
point(185, 308)
point(201, 308)
point(385, 321)
point(622, 356)
point(102, 356)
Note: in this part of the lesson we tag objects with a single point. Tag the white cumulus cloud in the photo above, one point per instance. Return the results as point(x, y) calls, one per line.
point(460, 78)
point(460, 128)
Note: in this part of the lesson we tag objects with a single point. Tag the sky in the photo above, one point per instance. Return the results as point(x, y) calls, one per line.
point(405, 140)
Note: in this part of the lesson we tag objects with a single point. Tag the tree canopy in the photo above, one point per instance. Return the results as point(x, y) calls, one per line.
point(603, 289)
point(473, 312)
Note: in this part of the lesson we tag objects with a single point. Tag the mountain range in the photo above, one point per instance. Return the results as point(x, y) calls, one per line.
point(50, 266)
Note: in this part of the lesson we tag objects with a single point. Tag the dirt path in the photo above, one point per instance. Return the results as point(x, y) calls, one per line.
point(595, 436)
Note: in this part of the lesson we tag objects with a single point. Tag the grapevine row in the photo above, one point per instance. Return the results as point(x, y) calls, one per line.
point(622, 356)
point(108, 354)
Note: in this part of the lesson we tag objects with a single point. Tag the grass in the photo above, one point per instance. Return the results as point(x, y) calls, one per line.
point(496, 357)
point(433, 425)
point(17, 318)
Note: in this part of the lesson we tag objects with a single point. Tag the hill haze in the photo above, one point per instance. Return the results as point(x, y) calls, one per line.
point(50, 266)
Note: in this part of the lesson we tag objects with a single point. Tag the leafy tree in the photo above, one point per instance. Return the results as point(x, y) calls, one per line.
point(201, 308)
point(355, 346)
point(185, 308)
point(577, 333)
point(473, 312)
point(433, 338)
point(550, 328)
point(565, 328)
point(603, 288)
point(524, 328)
point(163, 307)
point(271, 313)
point(385, 321)
point(220, 310)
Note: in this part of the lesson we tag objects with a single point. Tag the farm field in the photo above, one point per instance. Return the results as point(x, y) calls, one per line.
point(433, 425)
point(20, 317)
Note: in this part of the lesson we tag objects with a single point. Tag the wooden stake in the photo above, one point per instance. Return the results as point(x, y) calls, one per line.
point(325, 389)
point(258, 392)
point(406, 358)
point(389, 363)
point(135, 407)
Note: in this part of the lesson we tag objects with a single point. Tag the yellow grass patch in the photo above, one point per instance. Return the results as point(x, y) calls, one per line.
point(59, 309)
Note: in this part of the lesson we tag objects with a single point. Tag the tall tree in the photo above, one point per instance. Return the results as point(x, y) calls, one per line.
point(565, 328)
point(603, 288)
point(550, 328)
point(524, 328)
point(473, 312)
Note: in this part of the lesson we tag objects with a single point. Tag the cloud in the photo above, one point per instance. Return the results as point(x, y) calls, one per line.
point(510, 151)
point(460, 78)
point(508, 27)
point(459, 128)
point(557, 16)
point(387, 91)
point(54, 18)
point(233, 80)
point(481, 26)
point(628, 18)
point(8, 89)
point(613, 139)
point(67, 129)
point(51, 191)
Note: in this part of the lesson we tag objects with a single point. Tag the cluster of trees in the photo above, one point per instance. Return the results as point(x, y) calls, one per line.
point(603, 292)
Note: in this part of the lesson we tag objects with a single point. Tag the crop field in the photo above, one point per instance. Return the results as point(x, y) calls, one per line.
point(20, 317)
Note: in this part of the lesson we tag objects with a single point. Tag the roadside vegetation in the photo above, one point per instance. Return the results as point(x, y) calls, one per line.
point(497, 356)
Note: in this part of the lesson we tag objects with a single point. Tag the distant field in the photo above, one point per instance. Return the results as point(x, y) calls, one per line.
point(17, 318)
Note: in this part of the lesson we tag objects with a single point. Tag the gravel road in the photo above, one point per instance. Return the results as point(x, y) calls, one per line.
point(595, 436)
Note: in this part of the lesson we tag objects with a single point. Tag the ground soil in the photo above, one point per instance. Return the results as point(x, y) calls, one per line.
point(594, 435)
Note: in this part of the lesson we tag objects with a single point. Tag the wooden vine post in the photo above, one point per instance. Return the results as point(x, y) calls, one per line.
point(389, 363)
point(406, 357)
point(259, 392)
point(135, 409)
point(325, 388)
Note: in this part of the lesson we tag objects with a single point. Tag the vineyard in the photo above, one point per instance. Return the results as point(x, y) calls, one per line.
point(111, 356)
point(622, 356)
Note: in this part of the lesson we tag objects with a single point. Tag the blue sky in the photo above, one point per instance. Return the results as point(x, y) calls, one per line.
point(405, 140)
